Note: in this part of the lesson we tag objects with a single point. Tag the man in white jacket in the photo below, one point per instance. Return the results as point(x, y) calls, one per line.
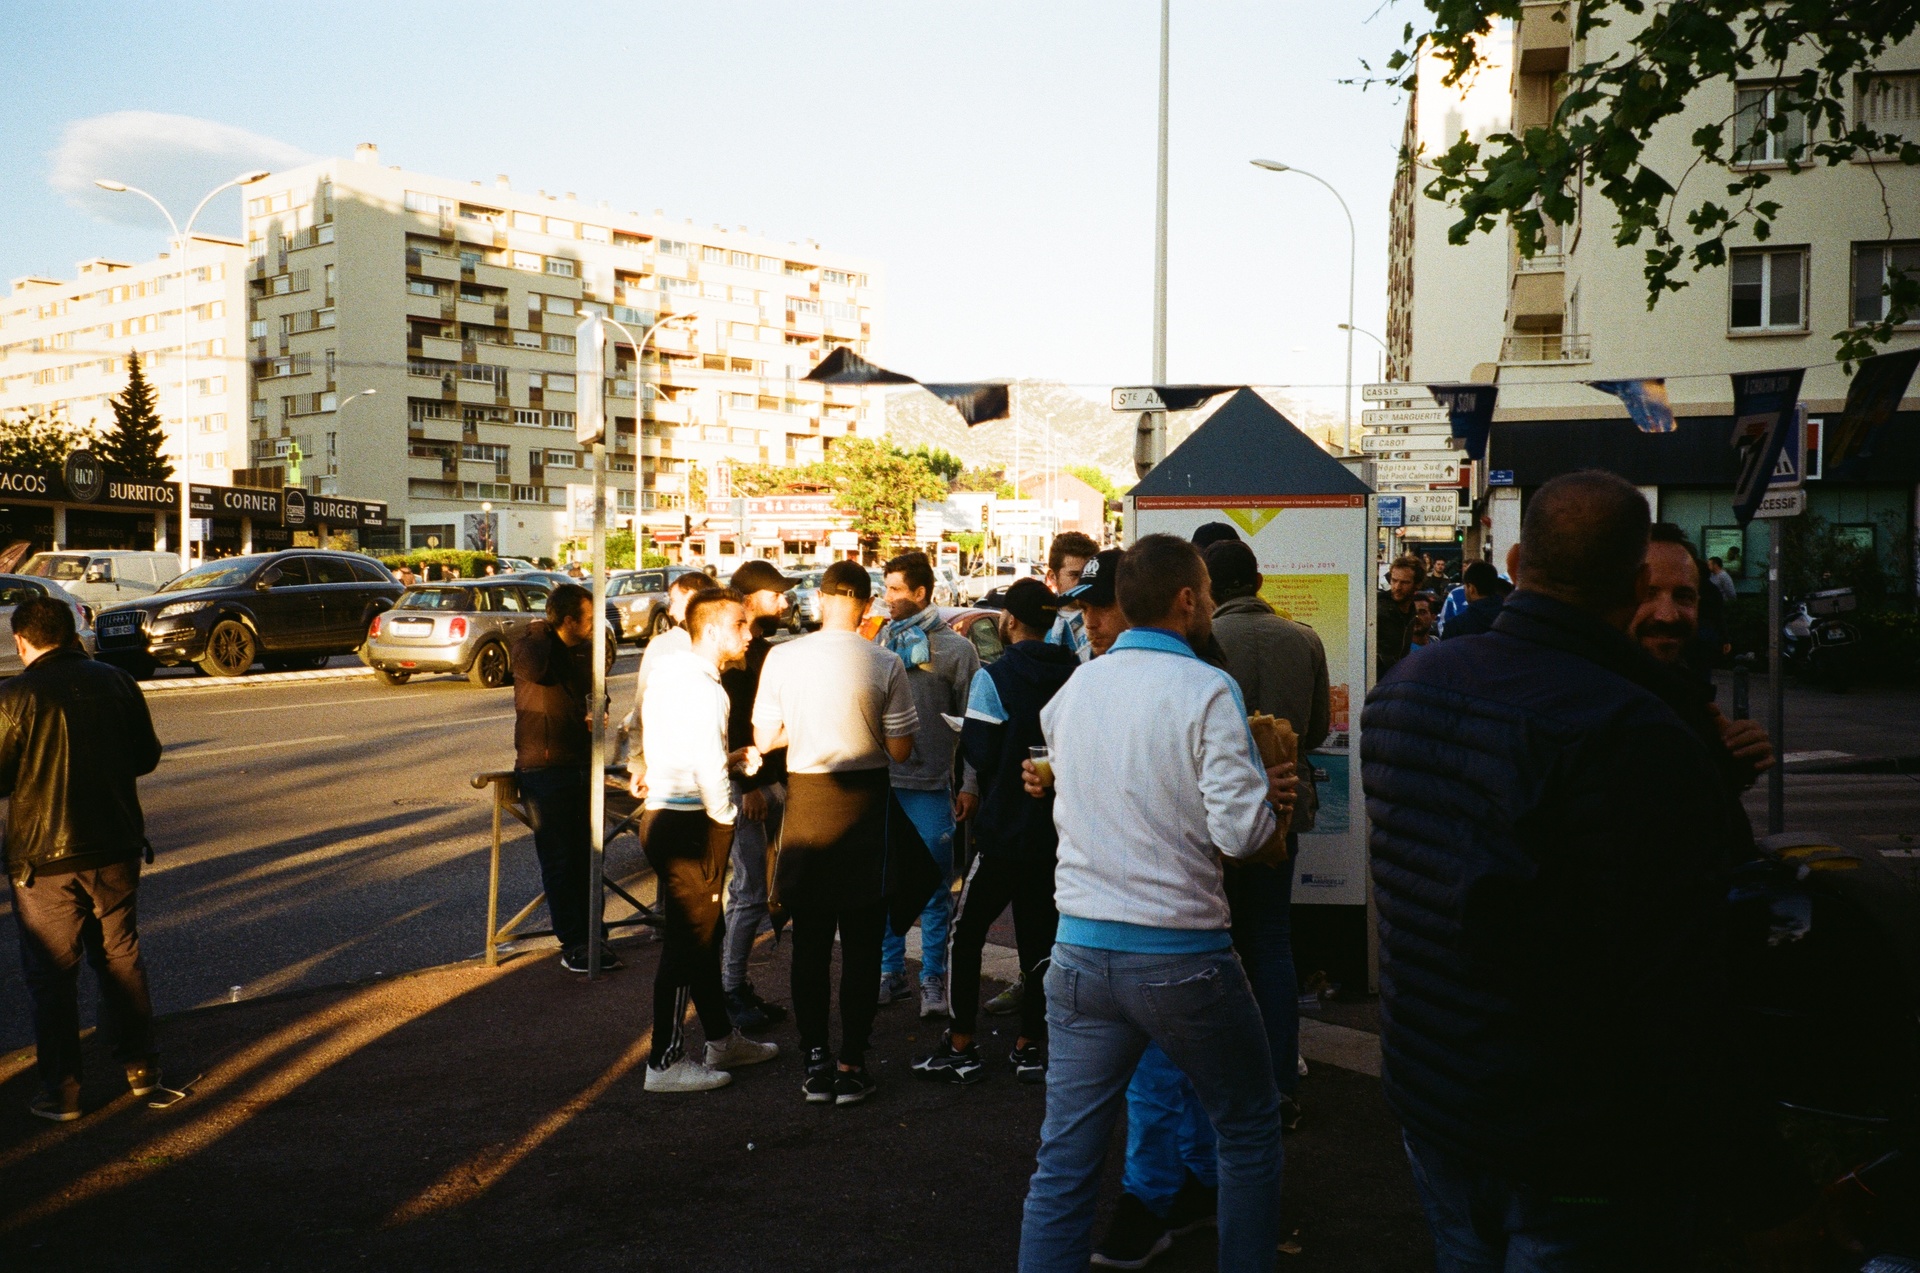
point(1156, 779)
point(687, 831)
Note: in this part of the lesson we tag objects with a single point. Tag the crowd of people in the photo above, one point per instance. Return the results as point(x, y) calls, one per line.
point(1553, 801)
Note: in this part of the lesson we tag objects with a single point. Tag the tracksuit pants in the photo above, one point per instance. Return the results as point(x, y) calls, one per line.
point(688, 853)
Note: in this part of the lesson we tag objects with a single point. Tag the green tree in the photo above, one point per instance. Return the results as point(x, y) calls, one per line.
point(879, 484)
point(1611, 106)
point(982, 478)
point(136, 444)
point(1095, 478)
point(37, 438)
point(944, 464)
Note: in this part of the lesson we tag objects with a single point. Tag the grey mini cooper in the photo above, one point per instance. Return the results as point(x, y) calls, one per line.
point(467, 627)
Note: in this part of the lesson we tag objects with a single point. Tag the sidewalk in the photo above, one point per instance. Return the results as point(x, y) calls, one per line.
point(464, 1117)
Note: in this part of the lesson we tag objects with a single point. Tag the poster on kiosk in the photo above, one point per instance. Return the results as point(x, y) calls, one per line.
point(1305, 517)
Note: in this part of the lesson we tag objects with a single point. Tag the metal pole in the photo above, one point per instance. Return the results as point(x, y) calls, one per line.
point(640, 421)
point(596, 776)
point(1777, 708)
point(1153, 424)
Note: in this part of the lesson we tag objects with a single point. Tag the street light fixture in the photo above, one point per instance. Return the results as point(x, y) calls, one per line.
point(1274, 165)
point(1384, 351)
point(181, 238)
point(640, 419)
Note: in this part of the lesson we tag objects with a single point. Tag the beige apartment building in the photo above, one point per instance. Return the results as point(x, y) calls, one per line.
point(1540, 327)
point(64, 345)
point(413, 340)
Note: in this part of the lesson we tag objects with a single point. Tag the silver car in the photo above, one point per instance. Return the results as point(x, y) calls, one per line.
point(637, 599)
point(467, 627)
point(15, 589)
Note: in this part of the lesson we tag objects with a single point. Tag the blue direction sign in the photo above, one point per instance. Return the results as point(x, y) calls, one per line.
point(1392, 510)
point(1500, 477)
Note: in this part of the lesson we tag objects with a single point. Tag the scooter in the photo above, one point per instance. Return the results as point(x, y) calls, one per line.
point(1818, 645)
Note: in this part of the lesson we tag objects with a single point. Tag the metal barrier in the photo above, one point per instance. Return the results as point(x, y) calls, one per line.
point(506, 799)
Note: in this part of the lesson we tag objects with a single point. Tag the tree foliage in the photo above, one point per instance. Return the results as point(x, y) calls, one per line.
point(37, 438)
point(876, 482)
point(944, 464)
point(982, 478)
point(1095, 478)
point(136, 444)
point(1610, 107)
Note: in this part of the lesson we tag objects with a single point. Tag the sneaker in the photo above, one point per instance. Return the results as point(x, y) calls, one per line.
point(818, 1088)
point(1007, 1002)
point(1134, 1236)
point(1029, 1062)
point(950, 1065)
point(1289, 1114)
point(686, 1075)
point(850, 1087)
point(1196, 1206)
point(58, 1107)
point(752, 1013)
point(1300, 1065)
point(144, 1078)
point(894, 987)
point(933, 997)
point(574, 959)
point(737, 1050)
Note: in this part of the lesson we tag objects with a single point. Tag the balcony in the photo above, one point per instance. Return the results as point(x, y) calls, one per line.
point(440, 348)
point(1546, 347)
point(426, 265)
point(481, 312)
point(429, 307)
point(1538, 300)
point(1545, 37)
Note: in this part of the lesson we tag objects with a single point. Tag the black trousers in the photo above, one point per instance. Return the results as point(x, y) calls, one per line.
point(563, 840)
point(688, 853)
point(860, 929)
point(993, 883)
point(60, 916)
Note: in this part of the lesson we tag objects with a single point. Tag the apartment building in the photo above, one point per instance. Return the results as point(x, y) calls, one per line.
point(64, 345)
point(1540, 327)
point(412, 340)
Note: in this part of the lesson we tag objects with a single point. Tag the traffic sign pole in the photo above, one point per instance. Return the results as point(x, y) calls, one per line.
point(1777, 709)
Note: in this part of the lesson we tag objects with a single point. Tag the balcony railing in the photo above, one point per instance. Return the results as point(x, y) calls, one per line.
point(1546, 347)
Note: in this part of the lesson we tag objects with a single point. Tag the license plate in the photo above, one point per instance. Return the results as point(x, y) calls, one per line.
point(412, 627)
point(119, 624)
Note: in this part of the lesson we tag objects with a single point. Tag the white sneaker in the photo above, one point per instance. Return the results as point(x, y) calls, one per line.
point(737, 1050)
point(1300, 1064)
point(933, 997)
point(686, 1075)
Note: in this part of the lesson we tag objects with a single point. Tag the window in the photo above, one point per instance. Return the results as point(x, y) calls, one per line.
point(557, 344)
point(559, 228)
point(527, 261)
point(716, 255)
point(559, 305)
point(432, 204)
point(1754, 141)
point(560, 419)
point(560, 266)
point(802, 306)
point(420, 287)
point(714, 291)
point(678, 285)
point(559, 383)
point(743, 401)
point(794, 267)
point(527, 221)
point(1874, 264)
point(527, 340)
point(1768, 290)
point(836, 276)
point(562, 460)
point(523, 416)
point(836, 310)
point(628, 314)
point(594, 233)
point(1891, 103)
point(674, 247)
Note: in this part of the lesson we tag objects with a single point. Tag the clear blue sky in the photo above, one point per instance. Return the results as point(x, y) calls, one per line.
point(995, 159)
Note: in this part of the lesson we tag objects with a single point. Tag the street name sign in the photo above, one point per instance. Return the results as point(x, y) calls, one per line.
point(1390, 472)
point(1407, 415)
point(1789, 503)
point(1377, 443)
point(1431, 508)
point(1145, 398)
point(1394, 392)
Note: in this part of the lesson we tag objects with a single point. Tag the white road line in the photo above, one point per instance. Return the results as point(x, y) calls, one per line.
point(196, 753)
point(325, 702)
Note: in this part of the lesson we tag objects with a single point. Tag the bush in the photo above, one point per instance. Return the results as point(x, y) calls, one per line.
point(470, 564)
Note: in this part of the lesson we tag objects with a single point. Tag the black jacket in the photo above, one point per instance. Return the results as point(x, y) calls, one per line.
point(1025, 678)
point(552, 683)
point(1550, 846)
point(1396, 633)
point(74, 736)
point(1475, 618)
point(741, 684)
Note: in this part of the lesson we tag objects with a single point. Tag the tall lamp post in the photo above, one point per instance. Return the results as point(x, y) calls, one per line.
point(1150, 435)
point(1274, 165)
point(640, 421)
point(181, 237)
point(1349, 327)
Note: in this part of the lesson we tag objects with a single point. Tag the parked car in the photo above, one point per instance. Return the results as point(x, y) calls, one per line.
point(945, 586)
point(980, 626)
point(638, 599)
point(291, 609)
point(467, 628)
point(552, 579)
point(104, 577)
point(803, 600)
point(996, 575)
point(15, 589)
point(515, 565)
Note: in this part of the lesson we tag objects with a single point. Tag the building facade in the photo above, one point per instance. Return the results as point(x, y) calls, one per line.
point(456, 304)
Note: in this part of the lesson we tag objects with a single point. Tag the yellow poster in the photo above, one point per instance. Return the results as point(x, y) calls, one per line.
point(1320, 602)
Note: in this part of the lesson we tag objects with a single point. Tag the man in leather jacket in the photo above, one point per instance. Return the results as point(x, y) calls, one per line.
point(74, 737)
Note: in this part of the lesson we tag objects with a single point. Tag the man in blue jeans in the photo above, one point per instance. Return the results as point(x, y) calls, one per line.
point(940, 667)
point(1156, 776)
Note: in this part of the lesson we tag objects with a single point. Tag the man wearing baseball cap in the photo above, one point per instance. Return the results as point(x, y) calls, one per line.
point(1100, 611)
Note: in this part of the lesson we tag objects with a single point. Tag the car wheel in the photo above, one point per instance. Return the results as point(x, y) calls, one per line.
point(230, 649)
point(392, 678)
point(490, 667)
point(661, 623)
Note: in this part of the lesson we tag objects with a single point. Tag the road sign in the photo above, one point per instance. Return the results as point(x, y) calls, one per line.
point(1431, 508)
point(1389, 472)
point(1142, 398)
point(1393, 392)
point(1788, 471)
point(1406, 415)
point(1500, 477)
point(1782, 504)
point(1390, 510)
point(1379, 443)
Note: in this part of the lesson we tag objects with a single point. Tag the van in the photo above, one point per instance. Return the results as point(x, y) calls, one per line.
point(104, 577)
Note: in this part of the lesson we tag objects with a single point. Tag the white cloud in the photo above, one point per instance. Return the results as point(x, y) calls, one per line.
point(177, 158)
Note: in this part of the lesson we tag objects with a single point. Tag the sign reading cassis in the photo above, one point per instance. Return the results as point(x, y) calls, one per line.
point(85, 476)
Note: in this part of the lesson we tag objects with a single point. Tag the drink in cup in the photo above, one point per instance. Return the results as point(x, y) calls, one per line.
point(1042, 759)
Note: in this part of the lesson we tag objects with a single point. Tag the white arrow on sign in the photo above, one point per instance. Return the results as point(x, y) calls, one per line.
point(1408, 415)
point(1378, 443)
point(1387, 472)
point(1782, 504)
point(1392, 392)
point(1141, 399)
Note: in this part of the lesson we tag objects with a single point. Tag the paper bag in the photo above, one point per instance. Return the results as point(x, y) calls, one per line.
point(1278, 745)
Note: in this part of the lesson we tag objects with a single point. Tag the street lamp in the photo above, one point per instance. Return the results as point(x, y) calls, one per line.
point(640, 419)
point(1150, 434)
point(1274, 165)
point(181, 238)
point(1384, 351)
point(486, 525)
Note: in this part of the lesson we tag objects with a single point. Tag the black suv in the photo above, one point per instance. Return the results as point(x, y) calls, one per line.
point(293, 609)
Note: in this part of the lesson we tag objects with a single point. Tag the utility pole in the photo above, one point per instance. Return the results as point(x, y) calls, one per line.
point(1150, 435)
point(590, 404)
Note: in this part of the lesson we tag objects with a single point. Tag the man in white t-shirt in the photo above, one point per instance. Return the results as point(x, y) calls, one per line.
point(841, 707)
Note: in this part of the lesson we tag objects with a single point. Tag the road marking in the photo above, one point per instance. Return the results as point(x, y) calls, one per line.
point(196, 753)
point(325, 702)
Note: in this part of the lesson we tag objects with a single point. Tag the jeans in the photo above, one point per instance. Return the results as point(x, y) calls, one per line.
point(62, 915)
point(1103, 1008)
point(1168, 1134)
point(994, 881)
point(932, 815)
point(688, 853)
point(563, 840)
point(812, 974)
point(1261, 899)
point(747, 886)
point(1484, 1223)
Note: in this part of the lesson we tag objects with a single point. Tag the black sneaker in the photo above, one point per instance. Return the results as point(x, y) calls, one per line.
point(1289, 1114)
point(58, 1107)
point(574, 959)
point(950, 1065)
point(818, 1088)
point(1196, 1206)
point(751, 1013)
point(1029, 1062)
point(1134, 1236)
point(143, 1078)
point(850, 1087)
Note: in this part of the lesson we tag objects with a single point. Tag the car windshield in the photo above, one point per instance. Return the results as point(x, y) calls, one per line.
point(809, 580)
point(215, 574)
point(434, 599)
point(55, 566)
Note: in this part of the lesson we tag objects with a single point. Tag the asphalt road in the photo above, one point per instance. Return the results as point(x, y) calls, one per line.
point(312, 833)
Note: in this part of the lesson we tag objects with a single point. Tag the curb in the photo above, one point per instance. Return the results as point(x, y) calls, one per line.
point(1858, 765)
point(189, 684)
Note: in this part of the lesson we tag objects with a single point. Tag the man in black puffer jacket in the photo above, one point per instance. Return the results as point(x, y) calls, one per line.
point(1550, 845)
point(74, 737)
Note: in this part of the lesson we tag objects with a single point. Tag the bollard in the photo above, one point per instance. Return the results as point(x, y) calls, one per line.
point(1741, 702)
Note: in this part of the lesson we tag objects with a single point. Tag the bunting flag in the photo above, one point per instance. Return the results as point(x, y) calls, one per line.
point(1763, 411)
point(1470, 410)
point(977, 402)
point(1646, 401)
point(1872, 399)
